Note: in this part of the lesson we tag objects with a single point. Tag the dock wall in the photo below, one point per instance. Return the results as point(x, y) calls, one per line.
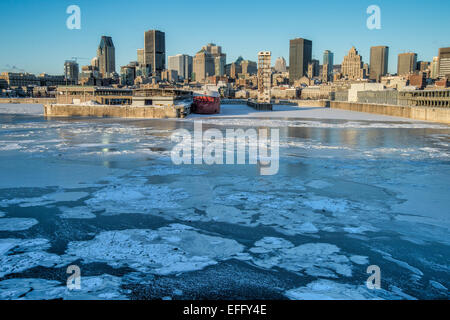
point(150, 112)
point(441, 115)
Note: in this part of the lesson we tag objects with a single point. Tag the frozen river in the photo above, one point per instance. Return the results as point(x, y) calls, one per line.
point(353, 190)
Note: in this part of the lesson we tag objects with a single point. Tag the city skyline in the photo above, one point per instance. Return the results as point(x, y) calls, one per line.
point(189, 35)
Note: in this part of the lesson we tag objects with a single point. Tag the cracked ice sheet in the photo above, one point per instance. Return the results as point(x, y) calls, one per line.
point(314, 259)
point(134, 196)
point(92, 288)
point(17, 224)
point(45, 200)
point(330, 290)
point(167, 250)
point(17, 255)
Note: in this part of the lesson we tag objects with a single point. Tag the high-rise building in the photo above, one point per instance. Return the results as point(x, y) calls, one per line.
point(264, 76)
point(155, 50)
point(203, 65)
point(71, 71)
point(188, 64)
point(182, 63)
point(140, 56)
point(328, 58)
point(249, 67)
point(407, 63)
point(444, 62)
point(434, 68)
point(280, 65)
point(300, 54)
point(379, 57)
point(106, 54)
point(328, 63)
point(220, 58)
point(353, 67)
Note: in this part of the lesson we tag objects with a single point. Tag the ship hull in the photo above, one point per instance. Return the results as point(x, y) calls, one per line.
point(206, 105)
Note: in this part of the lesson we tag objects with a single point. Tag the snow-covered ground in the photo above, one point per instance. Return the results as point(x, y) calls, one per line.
point(353, 190)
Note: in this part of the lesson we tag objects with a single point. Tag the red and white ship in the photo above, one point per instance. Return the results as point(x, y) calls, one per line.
point(206, 102)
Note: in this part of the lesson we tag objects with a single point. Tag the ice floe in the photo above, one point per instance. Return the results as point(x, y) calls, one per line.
point(314, 259)
point(167, 250)
point(76, 213)
point(17, 224)
point(330, 290)
point(17, 255)
point(104, 287)
point(45, 200)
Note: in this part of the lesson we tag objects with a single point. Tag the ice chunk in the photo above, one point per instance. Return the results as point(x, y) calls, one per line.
point(76, 213)
point(17, 224)
point(155, 251)
point(330, 290)
point(30, 254)
point(314, 259)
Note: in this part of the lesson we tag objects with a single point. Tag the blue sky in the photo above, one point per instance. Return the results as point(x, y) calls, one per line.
point(34, 36)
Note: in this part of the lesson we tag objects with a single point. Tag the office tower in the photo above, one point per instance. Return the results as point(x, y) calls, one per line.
point(280, 65)
point(379, 56)
point(188, 64)
point(106, 54)
point(155, 50)
point(264, 76)
point(353, 67)
point(407, 63)
point(444, 62)
point(313, 69)
point(328, 63)
point(203, 65)
point(182, 63)
point(220, 58)
point(300, 54)
point(249, 67)
point(434, 68)
point(176, 63)
point(127, 75)
point(71, 71)
point(423, 66)
point(140, 56)
point(328, 58)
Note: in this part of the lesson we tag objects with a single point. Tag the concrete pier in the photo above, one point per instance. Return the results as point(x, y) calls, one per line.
point(433, 114)
point(150, 112)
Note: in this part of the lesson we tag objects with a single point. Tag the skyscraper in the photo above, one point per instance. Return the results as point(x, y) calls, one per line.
point(140, 56)
point(280, 64)
point(434, 68)
point(106, 54)
point(71, 71)
point(379, 56)
point(203, 65)
point(328, 63)
point(328, 58)
point(182, 63)
point(407, 63)
point(444, 62)
point(155, 50)
point(353, 67)
point(300, 54)
point(220, 58)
